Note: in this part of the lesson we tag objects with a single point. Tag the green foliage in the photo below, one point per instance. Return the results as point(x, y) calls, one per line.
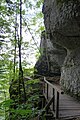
point(8, 11)
point(39, 2)
point(60, 2)
point(28, 71)
point(32, 81)
point(23, 114)
point(6, 103)
point(30, 108)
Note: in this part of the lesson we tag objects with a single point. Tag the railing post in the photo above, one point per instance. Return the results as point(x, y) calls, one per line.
point(57, 104)
point(43, 102)
point(53, 99)
point(47, 91)
point(47, 99)
point(44, 87)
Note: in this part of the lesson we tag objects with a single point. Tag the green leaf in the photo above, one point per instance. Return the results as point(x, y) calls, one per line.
point(32, 81)
point(6, 103)
point(23, 12)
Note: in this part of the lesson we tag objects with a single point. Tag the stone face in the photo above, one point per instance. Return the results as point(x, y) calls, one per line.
point(70, 76)
point(51, 59)
point(62, 22)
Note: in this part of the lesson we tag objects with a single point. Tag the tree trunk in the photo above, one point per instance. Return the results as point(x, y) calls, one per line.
point(15, 44)
point(21, 81)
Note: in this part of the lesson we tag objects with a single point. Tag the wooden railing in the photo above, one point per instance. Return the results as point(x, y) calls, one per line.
point(53, 101)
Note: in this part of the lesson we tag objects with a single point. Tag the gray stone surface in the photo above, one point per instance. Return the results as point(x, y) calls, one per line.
point(70, 76)
point(52, 57)
point(62, 22)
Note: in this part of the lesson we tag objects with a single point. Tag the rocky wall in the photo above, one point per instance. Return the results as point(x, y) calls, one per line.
point(62, 22)
point(51, 59)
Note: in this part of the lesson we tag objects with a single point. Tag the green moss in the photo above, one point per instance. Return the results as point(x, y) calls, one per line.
point(66, 1)
point(62, 1)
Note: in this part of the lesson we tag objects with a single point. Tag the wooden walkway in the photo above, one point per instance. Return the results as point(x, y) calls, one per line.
point(68, 107)
point(62, 106)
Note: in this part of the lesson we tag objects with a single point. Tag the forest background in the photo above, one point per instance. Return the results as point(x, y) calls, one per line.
point(21, 24)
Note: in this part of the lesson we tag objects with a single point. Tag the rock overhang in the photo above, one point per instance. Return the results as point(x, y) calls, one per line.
point(62, 21)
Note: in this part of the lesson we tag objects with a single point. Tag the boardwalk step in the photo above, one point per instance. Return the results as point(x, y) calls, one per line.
point(69, 108)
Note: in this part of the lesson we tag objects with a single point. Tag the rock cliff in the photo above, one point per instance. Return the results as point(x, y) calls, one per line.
point(62, 22)
point(52, 57)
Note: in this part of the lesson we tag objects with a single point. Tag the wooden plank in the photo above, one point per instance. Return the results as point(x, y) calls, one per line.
point(47, 91)
point(50, 106)
point(49, 103)
point(53, 100)
point(47, 106)
point(69, 107)
point(77, 109)
point(48, 115)
point(57, 106)
point(69, 117)
point(69, 113)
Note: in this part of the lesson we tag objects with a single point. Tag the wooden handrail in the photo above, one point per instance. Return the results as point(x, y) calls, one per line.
point(55, 86)
point(56, 91)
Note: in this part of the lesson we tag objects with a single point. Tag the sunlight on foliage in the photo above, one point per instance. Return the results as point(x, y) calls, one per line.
point(32, 21)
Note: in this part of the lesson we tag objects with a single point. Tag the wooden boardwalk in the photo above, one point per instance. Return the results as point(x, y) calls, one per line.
point(63, 106)
point(68, 107)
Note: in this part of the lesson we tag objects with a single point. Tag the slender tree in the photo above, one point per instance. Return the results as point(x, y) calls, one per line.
point(20, 41)
point(21, 81)
point(15, 43)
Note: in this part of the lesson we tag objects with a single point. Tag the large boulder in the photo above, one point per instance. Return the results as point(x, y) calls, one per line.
point(62, 22)
point(51, 59)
